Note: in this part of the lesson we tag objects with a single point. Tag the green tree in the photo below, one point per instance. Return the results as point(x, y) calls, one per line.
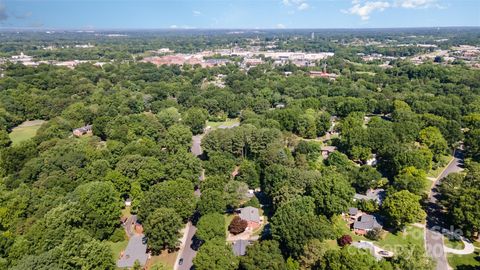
point(211, 226)
point(402, 208)
point(215, 255)
point(412, 257)
point(195, 118)
point(100, 205)
point(174, 194)
point(332, 193)
point(4, 139)
point(178, 137)
point(263, 255)
point(162, 227)
point(411, 179)
point(433, 139)
point(212, 201)
point(248, 173)
point(288, 225)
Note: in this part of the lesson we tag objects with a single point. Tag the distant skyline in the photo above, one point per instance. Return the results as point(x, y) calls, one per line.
point(238, 14)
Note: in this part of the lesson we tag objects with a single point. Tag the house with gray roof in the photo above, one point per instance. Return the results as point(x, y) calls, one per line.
point(251, 215)
point(365, 223)
point(377, 195)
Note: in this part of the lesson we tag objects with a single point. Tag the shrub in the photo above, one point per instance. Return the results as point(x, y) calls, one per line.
point(237, 225)
point(374, 234)
point(345, 240)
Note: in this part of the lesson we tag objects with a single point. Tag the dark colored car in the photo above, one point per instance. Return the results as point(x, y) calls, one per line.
point(144, 240)
point(180, 262)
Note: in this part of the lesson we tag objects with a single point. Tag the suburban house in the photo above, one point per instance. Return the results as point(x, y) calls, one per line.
point(252, 216)
point(83, 130)
point(239, 247)
point(377, 195)
point(365, 223)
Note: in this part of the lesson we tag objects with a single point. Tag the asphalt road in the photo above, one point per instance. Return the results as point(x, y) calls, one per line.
point(188, 253)
point(435, 222)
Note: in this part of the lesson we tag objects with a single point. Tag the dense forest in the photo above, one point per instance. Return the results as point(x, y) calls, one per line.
point(61, 196)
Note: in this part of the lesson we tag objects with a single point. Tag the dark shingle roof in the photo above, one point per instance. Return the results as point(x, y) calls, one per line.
point(366, 222)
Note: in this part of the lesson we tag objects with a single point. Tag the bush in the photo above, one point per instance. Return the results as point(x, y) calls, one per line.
point(374, 234)
point(237, 225)
point(253, 202)
point(345, 240)
point(118, 235)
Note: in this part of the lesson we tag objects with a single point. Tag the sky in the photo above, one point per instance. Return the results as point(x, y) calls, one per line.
point(236, 14)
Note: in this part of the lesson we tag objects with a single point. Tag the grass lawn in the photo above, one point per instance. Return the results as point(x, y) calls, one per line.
point(476, 244)
point(470, 261)
point(228, 219)
point(436, 172)
point(25, 131)
point(165, 258)
point(412, 235)
point(453, 243)
point(228, 122)
point(117, 248)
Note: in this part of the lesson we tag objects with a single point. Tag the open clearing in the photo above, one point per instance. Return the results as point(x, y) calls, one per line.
point(25, 131)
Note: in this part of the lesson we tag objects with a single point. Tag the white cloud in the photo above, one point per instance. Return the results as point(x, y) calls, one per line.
point(364, 10)
point(174, 26)
point(414, 3)
point(281, 26)
point(196, 13)
point(299, 4)
point(303, 6)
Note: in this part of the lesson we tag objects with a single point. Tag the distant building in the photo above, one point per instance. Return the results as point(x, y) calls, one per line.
point(322, 74)
point(86, 130)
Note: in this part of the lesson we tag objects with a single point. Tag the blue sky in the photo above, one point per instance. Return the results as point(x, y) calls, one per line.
point(154, 14)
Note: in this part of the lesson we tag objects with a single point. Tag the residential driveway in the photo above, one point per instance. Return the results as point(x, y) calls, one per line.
point(196, 145)
point(376, 251)
point(468, 249)
point(435, 222)
point(135, 250)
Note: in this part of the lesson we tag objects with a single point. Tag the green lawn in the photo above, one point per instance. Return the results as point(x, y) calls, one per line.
point(470, 261)
point(117, 248)
point(437, 171)
point(228, 122)
point(412, 235)
point(453, 243)
point(165, 258)
point(25, 131)
point(228, 219)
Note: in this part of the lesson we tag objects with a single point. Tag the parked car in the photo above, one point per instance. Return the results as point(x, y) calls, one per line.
point(144, 240)
point(180, 262)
